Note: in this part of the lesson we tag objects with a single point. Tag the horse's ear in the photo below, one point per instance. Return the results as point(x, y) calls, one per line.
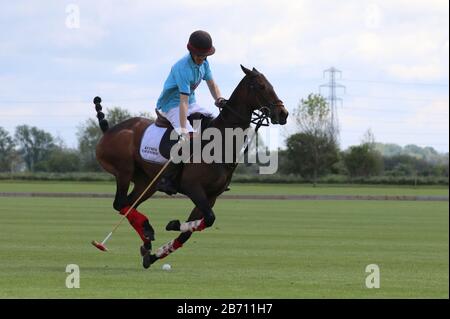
point(246, 71)
point(256, 71)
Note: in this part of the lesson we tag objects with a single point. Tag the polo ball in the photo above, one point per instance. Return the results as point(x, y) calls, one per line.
point(166, 267)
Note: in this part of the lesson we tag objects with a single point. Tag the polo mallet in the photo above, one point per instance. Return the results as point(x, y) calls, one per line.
point(101, 245)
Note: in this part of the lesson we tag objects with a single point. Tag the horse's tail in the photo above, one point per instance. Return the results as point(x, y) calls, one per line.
point(100, 115)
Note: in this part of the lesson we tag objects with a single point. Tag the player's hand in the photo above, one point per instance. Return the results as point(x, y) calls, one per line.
point(220, 102)
point(183, 137)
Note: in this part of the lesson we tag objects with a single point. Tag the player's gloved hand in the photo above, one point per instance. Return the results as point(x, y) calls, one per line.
point(183, 137)
point(220, 102)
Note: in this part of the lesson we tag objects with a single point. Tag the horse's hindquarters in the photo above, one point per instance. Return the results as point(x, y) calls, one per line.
point(117, 149)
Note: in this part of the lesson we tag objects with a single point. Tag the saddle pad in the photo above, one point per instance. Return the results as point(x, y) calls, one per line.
point(150, 144)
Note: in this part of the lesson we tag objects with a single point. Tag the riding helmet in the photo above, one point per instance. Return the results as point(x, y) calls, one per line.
point(200, 43)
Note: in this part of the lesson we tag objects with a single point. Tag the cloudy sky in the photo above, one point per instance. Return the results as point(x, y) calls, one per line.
point(55, 56)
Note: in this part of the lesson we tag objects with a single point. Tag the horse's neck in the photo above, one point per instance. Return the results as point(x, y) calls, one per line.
point(237, 114)
point(230, 119)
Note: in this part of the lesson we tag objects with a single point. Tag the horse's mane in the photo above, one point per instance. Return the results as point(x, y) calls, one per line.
point(237, 89)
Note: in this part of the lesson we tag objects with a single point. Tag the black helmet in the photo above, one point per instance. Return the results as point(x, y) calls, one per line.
point(200, 43)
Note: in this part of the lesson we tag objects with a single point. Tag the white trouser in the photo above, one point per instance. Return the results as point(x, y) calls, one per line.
point(173, 115)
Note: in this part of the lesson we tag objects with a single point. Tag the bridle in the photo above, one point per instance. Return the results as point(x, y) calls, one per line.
point(260, 117)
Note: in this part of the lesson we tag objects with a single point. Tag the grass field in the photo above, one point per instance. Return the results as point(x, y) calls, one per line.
point(256, 249)
point(236, 189)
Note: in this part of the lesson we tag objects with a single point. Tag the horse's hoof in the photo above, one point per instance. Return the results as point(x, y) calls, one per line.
point(148, 260)
point(173, 225)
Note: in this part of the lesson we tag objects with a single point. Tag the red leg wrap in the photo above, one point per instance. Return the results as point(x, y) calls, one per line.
point(136, 220)
point(168, 248)
point(201, 226)
point(177, 244)
point(196, 225)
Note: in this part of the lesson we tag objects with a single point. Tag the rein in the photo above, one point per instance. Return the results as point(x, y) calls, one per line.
point(259, 117)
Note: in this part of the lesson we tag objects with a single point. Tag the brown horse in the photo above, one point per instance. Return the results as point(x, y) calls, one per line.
point(118, 153)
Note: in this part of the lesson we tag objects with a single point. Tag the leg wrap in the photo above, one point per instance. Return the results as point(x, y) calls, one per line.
point(168, 248)
point(136, 220)
point(196, 225)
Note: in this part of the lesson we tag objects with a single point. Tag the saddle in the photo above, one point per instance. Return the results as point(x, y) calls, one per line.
point(161, 121)
point(166, 143)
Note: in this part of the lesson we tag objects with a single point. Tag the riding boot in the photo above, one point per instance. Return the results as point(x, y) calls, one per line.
point(169, 181)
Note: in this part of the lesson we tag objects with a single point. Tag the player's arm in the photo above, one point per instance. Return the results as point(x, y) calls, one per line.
point(215, 91)
point(184, 104)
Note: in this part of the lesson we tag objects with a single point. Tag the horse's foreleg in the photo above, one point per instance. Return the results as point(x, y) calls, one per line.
point(204, 219)
point(178, 242)
point(195, 222)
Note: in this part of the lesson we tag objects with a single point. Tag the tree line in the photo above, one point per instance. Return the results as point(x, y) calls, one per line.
point(33, 150)
point(312, 152)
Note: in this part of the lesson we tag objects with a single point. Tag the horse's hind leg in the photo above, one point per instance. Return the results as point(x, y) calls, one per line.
point(123, 204)
point(141, 182)
point(122, 185)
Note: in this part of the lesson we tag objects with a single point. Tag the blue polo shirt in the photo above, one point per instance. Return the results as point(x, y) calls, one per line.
point(184, 78)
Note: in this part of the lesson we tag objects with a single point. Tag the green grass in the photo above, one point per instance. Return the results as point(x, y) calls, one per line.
point(60, 187)
point(256, 249)
point(236, 188)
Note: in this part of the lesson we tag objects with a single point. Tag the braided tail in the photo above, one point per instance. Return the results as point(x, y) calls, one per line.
point(100, 115)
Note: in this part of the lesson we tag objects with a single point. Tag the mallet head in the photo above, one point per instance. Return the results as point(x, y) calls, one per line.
point(99, 245)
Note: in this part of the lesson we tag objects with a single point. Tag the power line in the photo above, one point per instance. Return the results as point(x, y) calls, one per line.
point(389, 111)
point(391, 98)
point(398, 83)
point(325, 85)
point(394, 133)
point(111, 101)
point(149, 100)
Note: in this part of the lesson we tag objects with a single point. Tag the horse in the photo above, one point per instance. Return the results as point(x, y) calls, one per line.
point(118, 153)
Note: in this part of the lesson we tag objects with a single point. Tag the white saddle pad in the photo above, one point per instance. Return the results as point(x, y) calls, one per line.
point(150, 144)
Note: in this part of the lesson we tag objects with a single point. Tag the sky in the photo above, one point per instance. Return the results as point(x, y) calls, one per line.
point(55, 56)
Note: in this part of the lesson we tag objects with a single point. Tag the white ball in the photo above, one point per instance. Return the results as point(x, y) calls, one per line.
point(166, 267)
